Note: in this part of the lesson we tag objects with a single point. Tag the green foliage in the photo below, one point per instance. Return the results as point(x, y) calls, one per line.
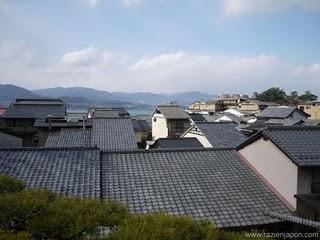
point(73, 218)
point(279, 96)
point(17, 209)
point(6, 235)
point(163, 226)
point(10, 185)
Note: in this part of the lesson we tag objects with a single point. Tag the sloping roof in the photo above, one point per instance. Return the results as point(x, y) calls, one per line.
point(205, 184)
point(74, 172)
point(221, 134)
point(108, 113)
point(113, 134)
point(284, 122)
point(172, 112)
point(7, 140)
point(36, 109)
point(140, 125)
point(197, 117)
point(177, 143)
point(41, 123)
point(278, 112)
point(70, 138)
point(301, 144)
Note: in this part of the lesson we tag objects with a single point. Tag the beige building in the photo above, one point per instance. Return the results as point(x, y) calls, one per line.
point(210, 106)
point(312, 108)
point(169, 121)
point(288, 161)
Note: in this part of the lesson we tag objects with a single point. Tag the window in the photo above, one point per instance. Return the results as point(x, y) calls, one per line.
point(177, 127)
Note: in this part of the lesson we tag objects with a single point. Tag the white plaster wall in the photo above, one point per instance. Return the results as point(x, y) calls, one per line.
point(274, 166)
point(159, 128)
point(202, 139)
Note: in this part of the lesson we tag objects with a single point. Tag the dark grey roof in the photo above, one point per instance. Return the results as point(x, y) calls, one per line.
point(221, 134)
point(70, 138)
point(177, 143)
point(7, 140)
point(141, 125)
point(278, 112)
point(301, 144)
point(74, 172)
point(41, 123)
point(197, 117)
point(172, 112)
point(284, 122)
point(122, 112)
point(113, 134)
point(35, 108)
point(105, 113)
point(205, 184)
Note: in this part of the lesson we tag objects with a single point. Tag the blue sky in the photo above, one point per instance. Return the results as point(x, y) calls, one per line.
point(161, 45)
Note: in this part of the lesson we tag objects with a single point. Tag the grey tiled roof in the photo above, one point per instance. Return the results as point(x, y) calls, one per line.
point(113, 134)
point(105, 113)
point(204, 184)
point(177, 143)
point(41, 123)
point(197, 117)
point(284, 122)
point(301, 144)
point(74, 172)
point(70, 138)
point(278, 112)
point(36, 109)
point(221, 134)
point(141, 125)
point(7, 140)
point(172, 112)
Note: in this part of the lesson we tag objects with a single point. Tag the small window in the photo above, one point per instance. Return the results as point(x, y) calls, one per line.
point(155, 119)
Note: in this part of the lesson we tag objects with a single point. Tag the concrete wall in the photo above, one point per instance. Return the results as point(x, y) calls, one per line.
point(159, 127)
point(202, 139)
point(275, 167)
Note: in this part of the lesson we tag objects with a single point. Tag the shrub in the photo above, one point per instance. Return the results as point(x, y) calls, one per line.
point(75, 218)
point(10, 185)
point(163, 226)
point(17, 209)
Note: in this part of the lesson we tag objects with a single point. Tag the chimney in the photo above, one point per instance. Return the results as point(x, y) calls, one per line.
point(49, 121)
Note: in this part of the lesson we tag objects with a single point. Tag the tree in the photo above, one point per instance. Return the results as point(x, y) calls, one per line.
point(293, 98)
point(10, 185)
point(272, 95)
point(308, 96)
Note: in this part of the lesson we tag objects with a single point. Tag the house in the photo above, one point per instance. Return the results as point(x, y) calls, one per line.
point(169, 121)
point(46, 127)
point(205, 184)
point(227, 101)
point(105, 134)
point(176, 143)
point(7, 140)
point(254, 106)
point(65, 171)
point(210, 106)
point(288, 159)
point(142, 132)
point(21, 115)
point(113, 134)
point(107, 112)
point(196, 117)
point(282, 112)
point(311, 108)
point(69, 137)
point(216, 134)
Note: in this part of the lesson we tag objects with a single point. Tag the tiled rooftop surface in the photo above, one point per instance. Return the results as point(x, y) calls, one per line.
point(172, 112)
point(177, 143)
point(113, 134)
point(301, 144)
point(221, 134)
point(7, 140)
point(277, 112)
point(70, 138)
point(204, 184)
point(74, 172)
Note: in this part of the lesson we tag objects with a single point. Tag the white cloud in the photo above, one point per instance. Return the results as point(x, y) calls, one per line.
point(169, 72)
point(242, 7)
point(91, 3)
point(131, 2)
